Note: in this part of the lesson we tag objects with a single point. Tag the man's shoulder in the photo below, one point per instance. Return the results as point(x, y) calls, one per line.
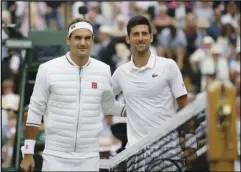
point(54, 61)
point(163, 61)
point(98, 63)
point(123, 67)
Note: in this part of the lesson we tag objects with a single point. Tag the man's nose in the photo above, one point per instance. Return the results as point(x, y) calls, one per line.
point(140, 37)
point(82, 42)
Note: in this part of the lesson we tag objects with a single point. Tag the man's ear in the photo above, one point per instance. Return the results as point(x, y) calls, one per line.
point(68, 40)
point(151, 37)
point(127, 39)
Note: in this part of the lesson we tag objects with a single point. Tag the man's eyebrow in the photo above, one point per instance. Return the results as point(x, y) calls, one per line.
point(140, 32)
point(86, 36)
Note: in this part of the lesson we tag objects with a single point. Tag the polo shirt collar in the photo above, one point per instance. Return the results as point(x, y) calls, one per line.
point(150, 64)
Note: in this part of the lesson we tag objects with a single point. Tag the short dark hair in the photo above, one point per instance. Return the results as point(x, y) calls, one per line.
point(138, 20)
point(79, 19)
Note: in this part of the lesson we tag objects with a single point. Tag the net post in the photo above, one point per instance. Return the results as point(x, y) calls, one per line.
point(222, 142)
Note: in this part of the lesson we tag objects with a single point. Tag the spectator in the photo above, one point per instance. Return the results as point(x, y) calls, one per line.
point(179, 11)
point(95, 16)
point(214, 29)
point(231, 17)
point(133, 9)
point(119, 29)
point(4, 129)
point(22, 15)
point(201, 53)
point(149, 7)
point(162, 20)
point(204, 10)
point(107, 50)
point(232, 51)
point(54, 13)
point(75, 9)
point(214, 67)
point(11, 65)
point(202, 25)
point(110, 10)
point(234, 68)
point(190, 32)
point(7, 149)
point(10, 100)
point(38, 12)
point(123, 7)
point(6, 19)
point(224, 39)
point(172, 43)
point(11, 7)
point(122, 55)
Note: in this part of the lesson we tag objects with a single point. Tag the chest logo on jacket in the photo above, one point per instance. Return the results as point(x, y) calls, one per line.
point(94, 85)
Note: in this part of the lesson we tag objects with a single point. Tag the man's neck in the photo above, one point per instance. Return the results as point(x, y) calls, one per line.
point(79, 61)
point(141, 59)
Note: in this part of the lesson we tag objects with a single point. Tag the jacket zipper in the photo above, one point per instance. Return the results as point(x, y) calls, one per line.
point(76, 134)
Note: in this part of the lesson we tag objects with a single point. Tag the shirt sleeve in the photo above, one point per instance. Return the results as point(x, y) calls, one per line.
point(38, 100)
point(115, 82)
point(175, 79)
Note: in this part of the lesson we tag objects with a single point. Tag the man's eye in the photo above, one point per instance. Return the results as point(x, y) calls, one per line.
point(145, 34)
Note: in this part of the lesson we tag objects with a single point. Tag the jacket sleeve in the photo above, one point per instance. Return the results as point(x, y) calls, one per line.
point(39, 98)
point(109, 104)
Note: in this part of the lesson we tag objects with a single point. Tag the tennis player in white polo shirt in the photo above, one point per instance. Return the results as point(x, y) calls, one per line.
point(152, 86)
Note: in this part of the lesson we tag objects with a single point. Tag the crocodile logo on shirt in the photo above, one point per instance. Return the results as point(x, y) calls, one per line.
point(154, 75)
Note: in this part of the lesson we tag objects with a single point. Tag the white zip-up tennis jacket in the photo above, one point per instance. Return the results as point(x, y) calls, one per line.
point(72, 100)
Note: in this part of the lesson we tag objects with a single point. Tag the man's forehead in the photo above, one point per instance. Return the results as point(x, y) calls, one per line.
point(82, 32)
point(139, 28)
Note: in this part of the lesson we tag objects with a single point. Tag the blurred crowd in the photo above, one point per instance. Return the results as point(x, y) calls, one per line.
point(203, 37)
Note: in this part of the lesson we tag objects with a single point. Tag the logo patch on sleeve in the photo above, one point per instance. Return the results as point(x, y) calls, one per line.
point(72, 27)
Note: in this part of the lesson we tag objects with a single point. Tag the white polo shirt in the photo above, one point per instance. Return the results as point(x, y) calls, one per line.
point(150, 94)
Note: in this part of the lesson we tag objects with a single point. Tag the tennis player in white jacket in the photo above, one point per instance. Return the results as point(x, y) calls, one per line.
point(70, 92)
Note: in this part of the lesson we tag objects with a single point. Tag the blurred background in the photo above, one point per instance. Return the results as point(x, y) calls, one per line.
point(202, 37)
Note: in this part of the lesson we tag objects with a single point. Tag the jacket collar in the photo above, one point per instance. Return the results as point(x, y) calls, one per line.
point(69, 59)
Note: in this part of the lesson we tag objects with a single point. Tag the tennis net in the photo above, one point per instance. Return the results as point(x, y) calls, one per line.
point(175, 146)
